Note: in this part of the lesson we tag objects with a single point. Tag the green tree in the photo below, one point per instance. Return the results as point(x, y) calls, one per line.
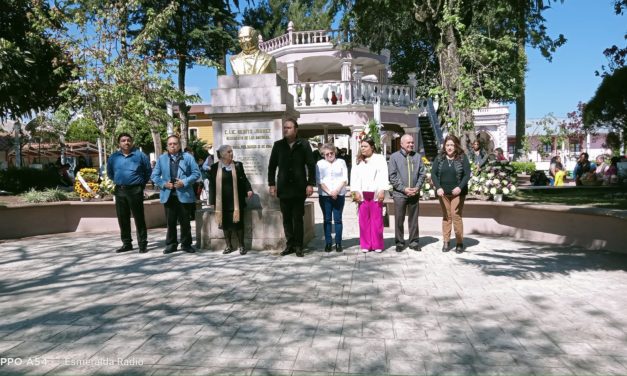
point(194, 32)
point(608, 107)
point(271, 17)
point(82, 129)
point(120, 88)
point(34, 68)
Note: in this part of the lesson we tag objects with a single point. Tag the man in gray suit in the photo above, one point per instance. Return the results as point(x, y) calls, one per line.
point(406, 173)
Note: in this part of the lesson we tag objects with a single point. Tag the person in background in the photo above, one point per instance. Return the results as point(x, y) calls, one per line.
point(369, 181)
point(229, 188)
point(175, 174)
point(450, 175)
point(602, 166)
point(317, 153)
point(406, 174)
point(500, 155)
point(582, 167)
point(332, 178)
point(129, 169)
point(478, 155)
point(556, 163)
point(559, 176)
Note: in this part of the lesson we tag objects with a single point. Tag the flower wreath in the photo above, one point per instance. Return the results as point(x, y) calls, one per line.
point(372, 130)
point(86, 184)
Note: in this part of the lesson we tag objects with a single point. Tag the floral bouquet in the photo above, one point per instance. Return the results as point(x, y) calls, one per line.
point(86, 184)
point(106, 185)
point(427, 191)
point(497, 178)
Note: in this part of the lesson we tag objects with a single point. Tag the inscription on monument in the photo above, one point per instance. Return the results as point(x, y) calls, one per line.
point(252, 144)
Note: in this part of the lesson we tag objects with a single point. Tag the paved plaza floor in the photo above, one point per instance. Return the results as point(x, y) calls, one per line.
point(69, 305)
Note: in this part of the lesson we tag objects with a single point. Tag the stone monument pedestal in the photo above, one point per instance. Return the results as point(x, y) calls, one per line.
point(263, 230)
point(247, 112)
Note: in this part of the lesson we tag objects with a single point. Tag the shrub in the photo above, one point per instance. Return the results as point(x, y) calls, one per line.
point(18, 180)
point(49, 195)
point(523, 167)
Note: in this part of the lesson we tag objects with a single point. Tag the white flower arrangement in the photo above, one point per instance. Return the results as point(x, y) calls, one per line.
point(497, 177)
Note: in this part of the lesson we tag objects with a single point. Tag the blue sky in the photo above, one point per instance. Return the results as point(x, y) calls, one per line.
point(555, 87)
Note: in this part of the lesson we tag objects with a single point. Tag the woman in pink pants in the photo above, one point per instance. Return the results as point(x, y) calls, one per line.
point(369, 181)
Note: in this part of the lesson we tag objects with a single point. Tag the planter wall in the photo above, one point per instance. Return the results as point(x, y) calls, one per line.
point(69, 216)
point(591, 228)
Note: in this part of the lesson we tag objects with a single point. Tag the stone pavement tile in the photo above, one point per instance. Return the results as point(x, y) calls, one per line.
point(209, 346)
point(582, 349)
point(399, 366)
point(167, 344)
point(598, 365)
point(260, 371)
point(376, 329)
point(6, 345)
point(285, 365)
point(367, 362)
point(72, 334)
point(458, 352)
point(217, 331)
point(542, 371)
point(503, 370)
point(117, 350)
point(200, 371)
point(141, 358)
point(411, 349)
point(71, 351)
point(185, 330)
point(443, 368)
point(30, 349)
point(239, 348)
point(364, 344)
point(315, 359)
point(494, 358)
point(38, 332)
point(541, 345)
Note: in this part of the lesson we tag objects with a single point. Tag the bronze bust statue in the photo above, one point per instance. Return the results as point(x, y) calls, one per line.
point(251, 60)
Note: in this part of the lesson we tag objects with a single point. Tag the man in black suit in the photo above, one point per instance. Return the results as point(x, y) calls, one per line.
point(296, 178)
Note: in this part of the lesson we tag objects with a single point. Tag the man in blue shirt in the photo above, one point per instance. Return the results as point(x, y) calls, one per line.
point(175, 173)
point(129, 169)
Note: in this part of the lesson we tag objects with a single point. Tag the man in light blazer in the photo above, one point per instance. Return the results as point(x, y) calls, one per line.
point(175, 173)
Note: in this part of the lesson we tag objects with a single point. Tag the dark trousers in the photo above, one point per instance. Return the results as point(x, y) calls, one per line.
point(130, 199)
point(409, 206)
point(293, 210)
point(332, 210)
point(177, 212)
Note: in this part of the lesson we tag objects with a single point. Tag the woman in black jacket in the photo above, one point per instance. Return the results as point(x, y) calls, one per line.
point(229, 188)
point(450, 175)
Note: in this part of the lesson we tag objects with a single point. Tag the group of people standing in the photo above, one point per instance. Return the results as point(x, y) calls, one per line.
point(292, 174)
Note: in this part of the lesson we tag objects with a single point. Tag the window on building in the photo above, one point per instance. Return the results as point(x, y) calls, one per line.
point(510, 149)
point(191, 117)
point(193, 133)
point(574, 147)
point(547, 148)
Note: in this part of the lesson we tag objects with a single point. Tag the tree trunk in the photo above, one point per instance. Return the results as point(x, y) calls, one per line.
point(182, 105)
point(521, 37)
point(156, 140)
point(448, 57)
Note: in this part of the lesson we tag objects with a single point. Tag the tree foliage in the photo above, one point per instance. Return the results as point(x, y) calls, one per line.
point(608, 107)
point(615, 55)
point(271, 17)
point(468, 47)
point(34, 67)
point(191, 32)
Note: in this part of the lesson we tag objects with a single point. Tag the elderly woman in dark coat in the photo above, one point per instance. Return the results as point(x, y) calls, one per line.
point(229, 188)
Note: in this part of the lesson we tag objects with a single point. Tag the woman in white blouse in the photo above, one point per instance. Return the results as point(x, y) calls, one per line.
point(332, 177)
point(369, 181)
